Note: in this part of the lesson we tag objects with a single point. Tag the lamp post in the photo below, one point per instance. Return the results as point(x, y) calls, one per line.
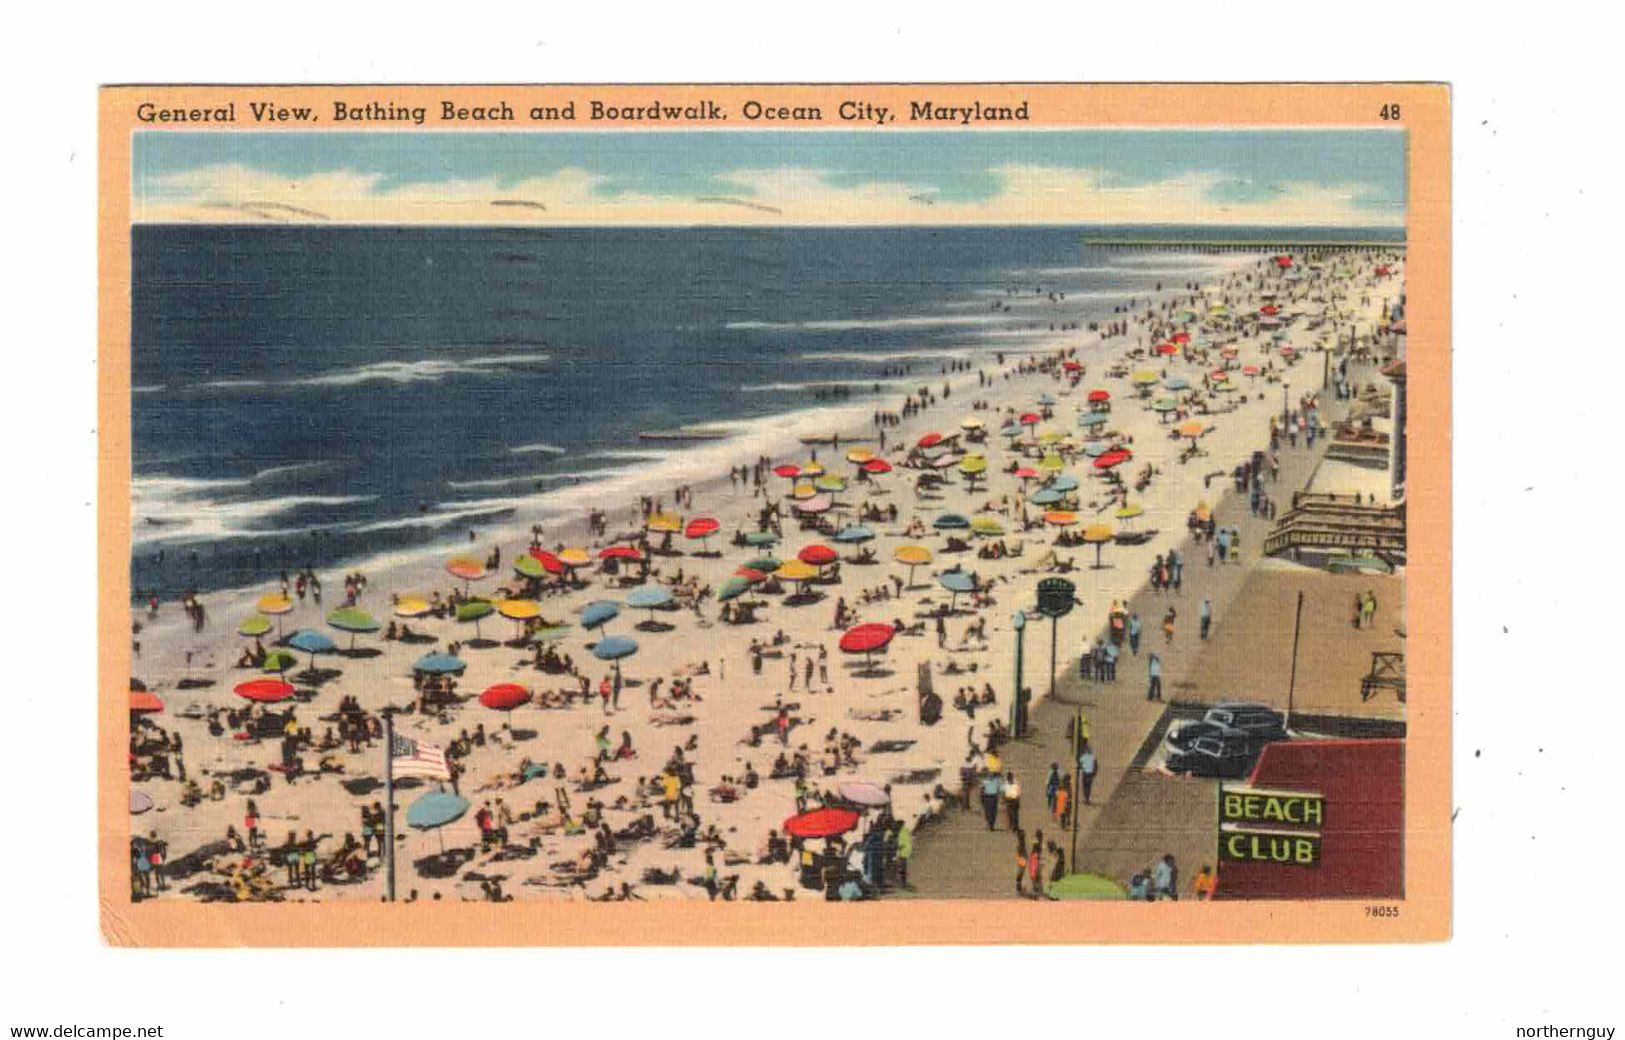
point(1286, 409)
point(1018, 717)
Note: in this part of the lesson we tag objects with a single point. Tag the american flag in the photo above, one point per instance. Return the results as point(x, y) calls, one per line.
point(410, 757)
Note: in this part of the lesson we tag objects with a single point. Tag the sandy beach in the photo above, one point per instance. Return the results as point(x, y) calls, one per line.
point(853, 720)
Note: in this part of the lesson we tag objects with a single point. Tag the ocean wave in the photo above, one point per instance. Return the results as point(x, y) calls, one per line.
point(826, 384)
point(532, 479)
point(529, 449)
point(424, 370)
point(151, 388)
point(183, 518)
point(854, 324)
point(919, 354)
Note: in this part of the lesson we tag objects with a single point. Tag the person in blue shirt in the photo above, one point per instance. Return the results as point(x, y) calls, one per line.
point(992, 791)
point(1154, 669)
point(1134, 633)
point(1110, 651)
point(1087, 768)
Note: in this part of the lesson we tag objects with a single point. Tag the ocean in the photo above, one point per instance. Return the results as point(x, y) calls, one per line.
point(310, 396)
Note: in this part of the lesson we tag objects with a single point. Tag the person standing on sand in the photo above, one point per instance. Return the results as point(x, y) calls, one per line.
point(992, 788)
point(1154, 671)
point(1168, 620)
point(1035, 865)
point(1134, 634)
point(1206, 616)
point(1012, 801)
point(1052, 787)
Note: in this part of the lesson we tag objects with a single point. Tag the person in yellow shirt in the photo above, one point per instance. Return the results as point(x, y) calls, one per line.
point(670, 788)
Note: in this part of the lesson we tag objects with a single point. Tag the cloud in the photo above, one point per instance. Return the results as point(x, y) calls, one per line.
point(781, 195)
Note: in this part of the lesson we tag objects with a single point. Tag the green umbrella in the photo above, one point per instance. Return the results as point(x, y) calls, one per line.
point(279, 661)
point(353, 620)
point(733, 588)
point(254, 625)
point(765, 564)
point(530, 567)
point(474, 610)
point(550, 634)
point(1086, 886)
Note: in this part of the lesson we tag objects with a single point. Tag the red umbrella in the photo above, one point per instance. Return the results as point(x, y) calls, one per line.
point(701, 527)
point(877, 466)
point(1070, 366)
point(817, 555)
point(505, 696)
point(1181, 337)
point(930, 440)
point(755, 577)
point(1027, 473)
point(1283, 262)
point(1382, 270)
point(1269, 308)
point(1287, 350)
point(145, 703)
point(266, 691)
point(550, 563)
point(866, 639)
point(821, 823)
point(1030, 418)
point(1249, 370)
point(1097, 396)
point(788, 472)
point(1167, 349)
point(1115, 457)
point(620, 552)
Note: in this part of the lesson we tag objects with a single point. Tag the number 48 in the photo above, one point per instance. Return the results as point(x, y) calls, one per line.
point(1390, 111)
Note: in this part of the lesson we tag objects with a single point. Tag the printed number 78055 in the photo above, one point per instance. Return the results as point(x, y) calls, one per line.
point(1382, 911)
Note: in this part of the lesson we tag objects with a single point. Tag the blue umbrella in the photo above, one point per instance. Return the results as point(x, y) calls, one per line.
point(950, 522)
point(1177, 383)
point(650, 598)
point(312, 642)
point(1093, 419)
point(1064, 482)
point(854, 534)
point(1097, 449)
point(599, 612)
point(1046, 400)
point(956, 582)
point(613, 648)
point(761, 538)
point(1012, 430)
point(434, 810)
point(1045, 497)
point(439, 664)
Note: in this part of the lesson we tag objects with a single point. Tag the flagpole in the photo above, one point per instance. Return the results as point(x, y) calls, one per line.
point(389, 805)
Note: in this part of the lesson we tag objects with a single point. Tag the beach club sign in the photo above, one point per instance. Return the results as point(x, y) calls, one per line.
point(1263, 826)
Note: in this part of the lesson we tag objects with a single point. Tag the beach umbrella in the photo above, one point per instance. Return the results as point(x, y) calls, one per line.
point(973, 467)
point(1287, 350)
point(1250, 371)
point(798, 572)
point(530, 566)
point(1098, 535)
point(550, 634)
point(1130, 511)
point(761, 538)
point(505, 696)
point(812, 468)
point(912, 556)
point(854, 534)
point(312, 642)
point(1051, 463)
point(1085, 886)
point(1144, 380)
point(467, 569)
point(700, 529)
point(765, 564)
point(956, 582)
point(733, 588)
point(1167, 349)
point(1164, 405)
point(1064, 483)
point(972, 423)
point(930, 440)
point(1045, 497)
point(1113, 458)
point(1060, 518)
point(599, 613)
point(1046, 401)
point(278, 661)
point(788, 472)
point(1269, 308)
point(803, 489)
point(353, 620)
point(1093, 419)
point(858, 456)
point(614, 649)
point(1010, 430)
point(1026, 473)
point(867, 639)
point(1229, 353)
point(821, 823)
point(434, 811)
point(140, 802)
point(813, 506)
point(265, 691)
point(629, 553)
point(986, 526)
point(411, 607)
point(254, 625)
point(1183, 337)
point(519, 611)
point(664, 523)
point(830, 482)
point(877, 466)
point(143, 702)
point(1030, 419)
point(951, 522)
point(650, 598)
point(1099, 396)
point(861, 792)
point(1096, 449)
point(1176, 383)
point(1192, 430)
point(818, 555)
point(574, 556)
point(439, 664)
point(945, 460)
point(276, 605)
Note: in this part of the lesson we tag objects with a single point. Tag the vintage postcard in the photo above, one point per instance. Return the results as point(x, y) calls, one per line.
point(759, 514)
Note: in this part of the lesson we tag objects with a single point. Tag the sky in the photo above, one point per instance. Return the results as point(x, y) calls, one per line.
point(1348, 178)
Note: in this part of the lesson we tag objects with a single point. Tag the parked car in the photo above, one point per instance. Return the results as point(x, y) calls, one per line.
point(1259, 723)
point(1228, 757)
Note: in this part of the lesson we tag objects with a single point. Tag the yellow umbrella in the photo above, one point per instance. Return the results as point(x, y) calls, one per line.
point(803, 489)
point(1130, 511)
point(465, 567)
point(858, 456)
point(1191, 429)
point(795, 570)
point(812, 469)
point(1144, 377)
point(971, 465)
point(986, 525)
point(1098, 535)
point(519, 609)
point(274, 603)
point(411, 606)
point(912, 556)
point(1060, 517)
point(1051, 437)
point(574, 556)
point(1052, 462)
point(665, 522)
point(972, 423)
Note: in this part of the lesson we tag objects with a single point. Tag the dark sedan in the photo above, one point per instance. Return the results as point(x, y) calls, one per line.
point(1227, 758)
point(1258, 723)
